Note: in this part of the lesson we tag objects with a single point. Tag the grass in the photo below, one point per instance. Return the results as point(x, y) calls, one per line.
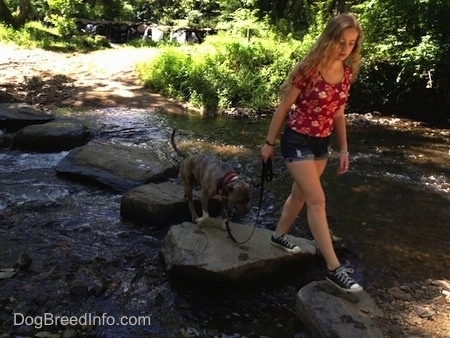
point(36, 35)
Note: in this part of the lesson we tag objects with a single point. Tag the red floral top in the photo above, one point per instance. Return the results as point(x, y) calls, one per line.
point(317, 103)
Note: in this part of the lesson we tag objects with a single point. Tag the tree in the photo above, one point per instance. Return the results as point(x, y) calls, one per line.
point(406, 64)
point(18, 20)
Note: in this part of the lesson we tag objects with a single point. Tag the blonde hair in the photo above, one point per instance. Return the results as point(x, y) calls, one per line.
point(321, 54)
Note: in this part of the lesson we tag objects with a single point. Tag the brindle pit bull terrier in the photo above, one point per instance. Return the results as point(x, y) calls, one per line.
point(216, 179)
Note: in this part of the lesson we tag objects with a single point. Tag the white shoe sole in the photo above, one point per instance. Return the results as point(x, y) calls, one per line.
point(286, 249)
point(354, 290)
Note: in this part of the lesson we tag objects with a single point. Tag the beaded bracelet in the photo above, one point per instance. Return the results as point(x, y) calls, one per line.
point(344, 152)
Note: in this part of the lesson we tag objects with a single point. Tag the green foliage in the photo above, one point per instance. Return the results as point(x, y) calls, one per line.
point(7, 33)
point(223, 72)
point(243, 65)
point(406, 67)
point(295, 17)
point(66, 8)
point(64, 25)
point(35, 35)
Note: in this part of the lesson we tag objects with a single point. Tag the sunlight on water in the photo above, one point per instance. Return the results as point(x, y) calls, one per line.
point(19, 192)
point(131, 126)
point(439, 183)
point(16, 161)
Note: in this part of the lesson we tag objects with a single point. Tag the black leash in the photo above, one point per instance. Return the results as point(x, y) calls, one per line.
point(266, 175)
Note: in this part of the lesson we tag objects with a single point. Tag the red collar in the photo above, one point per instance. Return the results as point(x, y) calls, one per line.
point(224, 181)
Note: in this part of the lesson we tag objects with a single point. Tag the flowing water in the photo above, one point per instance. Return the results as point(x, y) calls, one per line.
point(391, 210)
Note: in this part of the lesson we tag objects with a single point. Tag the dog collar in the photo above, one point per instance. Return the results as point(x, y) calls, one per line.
point(224, 181)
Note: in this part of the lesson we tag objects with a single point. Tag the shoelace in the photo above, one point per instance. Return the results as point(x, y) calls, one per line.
point(342, 275)
point(286, 242)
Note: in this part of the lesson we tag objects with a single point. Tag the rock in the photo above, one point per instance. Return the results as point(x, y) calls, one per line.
point(14, 116)
point(397, 293)
point(442, 283)
point(160, 204)
point(69, 333)
point(205, 251)
point(327, 312)
point(117, 167)
point(79, 289)
point(57, 135)
point(189, 332)
point(423, 312)
point(6, 97)
point(24, 261)
point(47, 334)
point(7, 273)
point(6, 139)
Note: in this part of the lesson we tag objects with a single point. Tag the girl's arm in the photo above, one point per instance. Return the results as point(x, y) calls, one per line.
point(340, 130)
point(283, 108)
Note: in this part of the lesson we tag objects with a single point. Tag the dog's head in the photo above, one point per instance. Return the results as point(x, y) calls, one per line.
point(239, 194)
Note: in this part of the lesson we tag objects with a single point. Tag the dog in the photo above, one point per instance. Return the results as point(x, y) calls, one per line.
point(216, 179)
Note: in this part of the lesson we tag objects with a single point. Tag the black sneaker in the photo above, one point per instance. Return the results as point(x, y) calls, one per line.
point(283, 243)
point(340, 279)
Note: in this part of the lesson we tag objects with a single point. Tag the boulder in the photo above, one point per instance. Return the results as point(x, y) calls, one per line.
point(57, 135)
point(160, 204)
point(205, 251)
point(14, 116)
point(327, 312)
point(115, 166)
point(5, 139)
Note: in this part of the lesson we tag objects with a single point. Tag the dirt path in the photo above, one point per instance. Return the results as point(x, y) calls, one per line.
point(99, 79)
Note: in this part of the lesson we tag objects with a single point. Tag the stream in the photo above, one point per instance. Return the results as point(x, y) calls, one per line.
point(73, 255)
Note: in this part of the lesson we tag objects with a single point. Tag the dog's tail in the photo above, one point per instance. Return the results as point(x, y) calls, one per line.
point(172, 141)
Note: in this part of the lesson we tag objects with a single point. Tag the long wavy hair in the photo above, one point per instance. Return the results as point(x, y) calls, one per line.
point(322, 53)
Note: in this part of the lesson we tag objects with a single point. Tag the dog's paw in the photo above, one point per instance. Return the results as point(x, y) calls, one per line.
point(225, 224)
point(202, 219)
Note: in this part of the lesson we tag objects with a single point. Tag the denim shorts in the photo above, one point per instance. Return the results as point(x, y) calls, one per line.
point(299, 147)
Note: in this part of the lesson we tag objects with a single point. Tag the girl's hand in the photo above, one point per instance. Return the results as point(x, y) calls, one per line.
point(266, 152)
point(344, 162)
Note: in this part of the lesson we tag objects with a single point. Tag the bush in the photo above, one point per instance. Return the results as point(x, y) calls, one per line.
point(35, 35)
point(405, 70)
point(223, 72)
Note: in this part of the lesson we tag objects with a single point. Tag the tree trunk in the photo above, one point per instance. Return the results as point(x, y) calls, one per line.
point(296, 7)
point(24, 10)
point(340, 6)
point(280, 9)
point(5, 13)
point(15, 21)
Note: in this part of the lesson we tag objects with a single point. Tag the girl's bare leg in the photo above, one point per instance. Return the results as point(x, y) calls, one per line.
point(307, 188)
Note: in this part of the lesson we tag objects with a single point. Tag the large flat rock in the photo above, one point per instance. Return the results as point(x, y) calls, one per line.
point(205, 251)
point(160, 204)
point(115, 166)
point(18, 115)
point(327, 312)
point(57, 135)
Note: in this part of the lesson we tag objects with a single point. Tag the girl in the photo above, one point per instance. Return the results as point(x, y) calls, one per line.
point(318, 86)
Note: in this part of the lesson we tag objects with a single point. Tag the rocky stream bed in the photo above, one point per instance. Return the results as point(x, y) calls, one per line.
point(71, 253)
